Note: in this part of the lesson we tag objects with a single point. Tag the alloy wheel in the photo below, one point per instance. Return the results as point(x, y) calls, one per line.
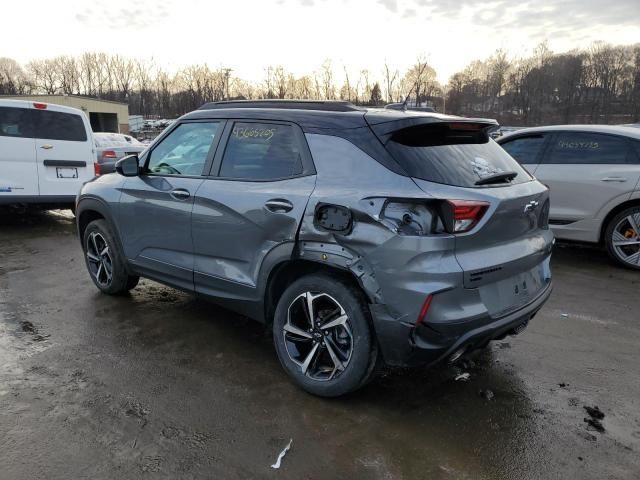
point(99, 259)
point(317, 336)
point(626, 239)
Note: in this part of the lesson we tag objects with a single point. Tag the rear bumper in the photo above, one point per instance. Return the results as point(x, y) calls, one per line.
point(403, 344)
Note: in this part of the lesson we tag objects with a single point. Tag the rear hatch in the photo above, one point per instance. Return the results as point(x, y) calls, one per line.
point(504, 246)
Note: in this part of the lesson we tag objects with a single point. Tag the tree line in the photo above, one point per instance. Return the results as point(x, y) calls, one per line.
point(599, 84)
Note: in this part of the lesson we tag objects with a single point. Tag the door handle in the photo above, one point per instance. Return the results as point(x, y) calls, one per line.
point(614, 179)
point(279, 205)
point(180, 194)
point(46, 147)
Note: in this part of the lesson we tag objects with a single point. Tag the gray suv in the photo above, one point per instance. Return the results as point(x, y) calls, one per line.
point(362, 237)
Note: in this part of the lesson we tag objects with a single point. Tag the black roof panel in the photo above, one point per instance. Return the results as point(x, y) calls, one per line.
point(307, 119)
point(319, 115)
point(327, 106)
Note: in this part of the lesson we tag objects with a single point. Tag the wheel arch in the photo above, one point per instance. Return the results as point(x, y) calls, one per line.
point(286, 272)
point(90, 209)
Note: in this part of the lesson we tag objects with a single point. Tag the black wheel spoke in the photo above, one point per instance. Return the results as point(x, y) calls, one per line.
point(99, 259)
point(314, 322)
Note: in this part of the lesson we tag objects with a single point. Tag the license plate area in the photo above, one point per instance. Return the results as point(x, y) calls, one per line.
point(66, 172)
point(507, 295)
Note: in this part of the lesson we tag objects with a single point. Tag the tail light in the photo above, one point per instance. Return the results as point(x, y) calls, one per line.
point(418, 218)
point(424, 310)
point(462, 215)
point(109, 154)
point(97, 169)
point(40, 106)
point(543, 219)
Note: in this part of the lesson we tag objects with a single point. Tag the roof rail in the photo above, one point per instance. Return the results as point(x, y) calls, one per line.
point(328, 106)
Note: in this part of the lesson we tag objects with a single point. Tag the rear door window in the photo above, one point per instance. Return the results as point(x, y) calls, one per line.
point(52, 125)
point(16, 122)
point(261, 151)
point(526, 150)
point(448, 155)
point(573, 148)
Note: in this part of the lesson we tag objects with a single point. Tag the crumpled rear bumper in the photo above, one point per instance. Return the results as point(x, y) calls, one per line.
point(404, 344)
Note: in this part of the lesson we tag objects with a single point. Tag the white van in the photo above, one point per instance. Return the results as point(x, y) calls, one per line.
point(46, 153)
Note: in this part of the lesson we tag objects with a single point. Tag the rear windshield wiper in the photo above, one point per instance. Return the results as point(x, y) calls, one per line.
point(503, 177)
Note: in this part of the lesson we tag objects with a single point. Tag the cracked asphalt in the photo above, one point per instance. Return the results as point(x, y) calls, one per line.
point(160, 384)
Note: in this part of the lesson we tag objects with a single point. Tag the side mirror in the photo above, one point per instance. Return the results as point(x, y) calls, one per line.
point(128, 166)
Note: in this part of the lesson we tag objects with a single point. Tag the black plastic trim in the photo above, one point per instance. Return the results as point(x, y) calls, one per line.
point(64, 163)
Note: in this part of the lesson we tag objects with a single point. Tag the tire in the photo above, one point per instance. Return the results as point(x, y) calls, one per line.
point(622, 238)
point(325, 360)
point(101, 254)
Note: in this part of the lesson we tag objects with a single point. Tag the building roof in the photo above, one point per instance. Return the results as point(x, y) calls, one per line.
point(40, 96)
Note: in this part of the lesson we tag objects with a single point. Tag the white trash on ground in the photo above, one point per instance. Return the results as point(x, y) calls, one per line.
point(282, 454)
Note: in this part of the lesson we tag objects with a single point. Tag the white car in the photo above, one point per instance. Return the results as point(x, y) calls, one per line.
point(593, 172)
point(46, 153)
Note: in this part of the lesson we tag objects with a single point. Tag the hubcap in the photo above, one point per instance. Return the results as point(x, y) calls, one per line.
point(99, 259)
point(317, 336)
point(626, 239)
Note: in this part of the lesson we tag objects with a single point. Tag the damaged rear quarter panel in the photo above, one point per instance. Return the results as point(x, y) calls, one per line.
point(394, 270)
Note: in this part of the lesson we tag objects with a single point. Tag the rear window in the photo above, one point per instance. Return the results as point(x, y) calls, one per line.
point(452, 155)
point(60, 126)
point(573, 148)
point(15, 122)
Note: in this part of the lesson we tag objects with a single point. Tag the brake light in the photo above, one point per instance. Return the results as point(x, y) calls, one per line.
point(472, 127)
point(465, 214)
point(40, 106)
point(424, 310)
point(109, 154)
point(97, 169)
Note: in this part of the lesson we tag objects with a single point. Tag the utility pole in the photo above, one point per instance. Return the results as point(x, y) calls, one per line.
point(227, 74)
point(444, 99)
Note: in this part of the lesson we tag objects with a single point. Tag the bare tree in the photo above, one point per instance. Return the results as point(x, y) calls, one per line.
point(420, 79)
point(123, 70)
point(328, 87)
point(390, 78)
point(598, 84)
point(280, 81)
point(45, 75)
point(13, 79)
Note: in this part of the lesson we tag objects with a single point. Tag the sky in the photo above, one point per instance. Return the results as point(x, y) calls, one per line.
point(249, 35)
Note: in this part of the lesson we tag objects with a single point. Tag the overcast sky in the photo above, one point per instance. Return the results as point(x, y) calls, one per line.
point(248, 35)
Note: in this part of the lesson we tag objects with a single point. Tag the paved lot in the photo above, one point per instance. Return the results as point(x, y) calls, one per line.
point(161, 385)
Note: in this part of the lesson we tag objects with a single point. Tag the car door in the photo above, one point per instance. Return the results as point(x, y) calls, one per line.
point(585, 171)
point(18, 168)
point(64, 148)
point(156, 206)
point(526, 149)
point(251, 207)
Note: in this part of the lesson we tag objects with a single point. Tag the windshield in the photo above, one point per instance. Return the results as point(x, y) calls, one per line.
point(465, 158)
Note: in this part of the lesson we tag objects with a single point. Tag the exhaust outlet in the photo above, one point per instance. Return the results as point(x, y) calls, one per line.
point(519, 329)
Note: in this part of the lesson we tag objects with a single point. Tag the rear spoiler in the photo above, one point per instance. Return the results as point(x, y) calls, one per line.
point(384, 130)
